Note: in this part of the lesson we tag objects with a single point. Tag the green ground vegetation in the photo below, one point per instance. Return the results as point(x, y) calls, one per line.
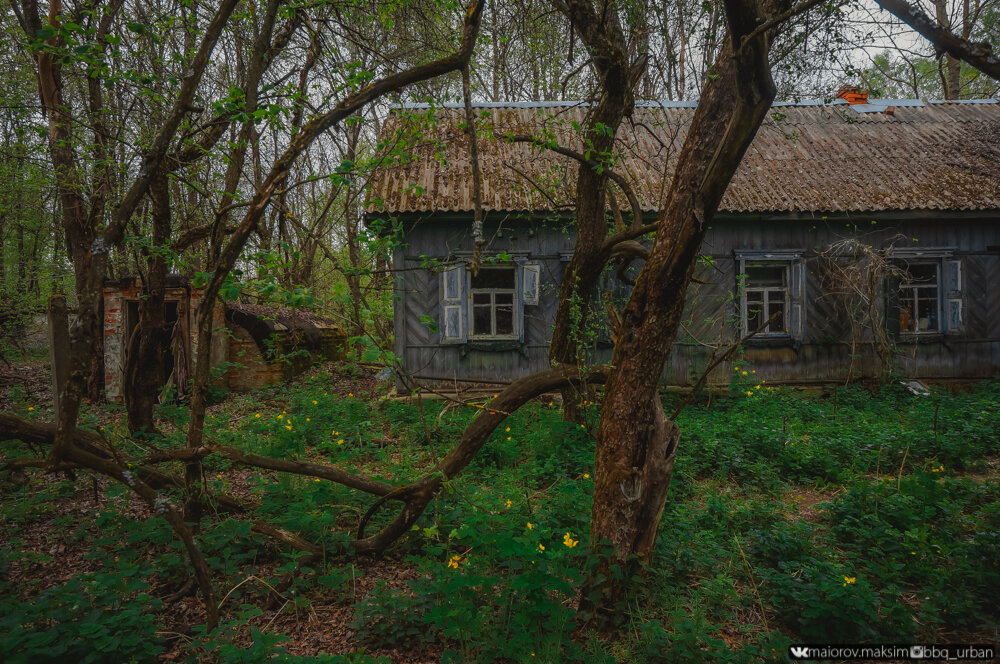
point(847, 517)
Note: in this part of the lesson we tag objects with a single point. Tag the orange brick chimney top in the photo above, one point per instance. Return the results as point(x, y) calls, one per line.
point(852, 95)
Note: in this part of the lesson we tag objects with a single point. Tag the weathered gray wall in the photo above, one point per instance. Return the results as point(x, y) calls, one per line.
point(823, 354)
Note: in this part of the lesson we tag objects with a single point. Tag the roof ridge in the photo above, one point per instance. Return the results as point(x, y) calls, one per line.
point(873, 102)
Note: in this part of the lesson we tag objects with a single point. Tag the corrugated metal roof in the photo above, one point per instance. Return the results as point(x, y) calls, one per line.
point(805, 158)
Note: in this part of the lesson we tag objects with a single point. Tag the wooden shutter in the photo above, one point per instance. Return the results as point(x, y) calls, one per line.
point(453, 326)
point(892, 305)
point(954, 313)
point(531, 277)
point(519, 299)
point(797, 299)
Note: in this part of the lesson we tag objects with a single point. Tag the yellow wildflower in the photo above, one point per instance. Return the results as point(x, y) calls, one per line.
point(508, 428)
point(744, 373)
point(350, 394)
point(509, 504)
point(849, 579)
point(508, 437)
point(288, 426)
point(308, 420)
point(340, 442)
point(541, 547)
point(31, 407)
point(754, 371)
point(257, 415)
point(586, 476)
point(530, 526)
point(454, 561)
point(569, 541)
point(314, 402)
point(550, 403)
point(757, 388)
point(317, 480)
point(749, 393)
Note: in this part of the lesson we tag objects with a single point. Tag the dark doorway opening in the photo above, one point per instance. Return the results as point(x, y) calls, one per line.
point(171, 314)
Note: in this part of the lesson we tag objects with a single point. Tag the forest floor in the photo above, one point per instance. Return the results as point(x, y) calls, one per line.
point(789, 520)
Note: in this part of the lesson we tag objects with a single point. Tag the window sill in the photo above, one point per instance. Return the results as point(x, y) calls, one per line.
point(920, 337)
point(492, 345)
point(771, 342)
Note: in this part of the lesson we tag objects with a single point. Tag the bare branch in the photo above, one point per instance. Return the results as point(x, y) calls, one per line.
point(979, 55)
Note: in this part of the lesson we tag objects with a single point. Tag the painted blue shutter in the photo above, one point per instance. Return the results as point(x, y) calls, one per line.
point(519, 299)
point(531, 276)
point(453, 326)
point(954, 313)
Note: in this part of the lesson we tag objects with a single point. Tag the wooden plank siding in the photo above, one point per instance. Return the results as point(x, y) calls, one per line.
point(823, 354)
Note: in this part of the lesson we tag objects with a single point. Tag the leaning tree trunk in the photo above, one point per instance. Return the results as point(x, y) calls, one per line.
point(146, 367)
point(636, 443)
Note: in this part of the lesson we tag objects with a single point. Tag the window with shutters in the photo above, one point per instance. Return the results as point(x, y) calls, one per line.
point(930, 296)
point(772, 292)
point(489, 305)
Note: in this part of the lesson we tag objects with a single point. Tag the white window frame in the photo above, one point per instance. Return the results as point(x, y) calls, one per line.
point(910, 292)
point(493, 292)
point(769, 294)
point(793, 318)
point(950, 287)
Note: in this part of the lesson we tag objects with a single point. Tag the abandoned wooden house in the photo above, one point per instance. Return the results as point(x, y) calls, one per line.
point(253, 346)
point(905, 189)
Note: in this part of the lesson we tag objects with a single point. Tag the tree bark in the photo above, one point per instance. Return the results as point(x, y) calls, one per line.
point(146, 367)
point(952, 65)
point(259, 203)
point(979, 55)
point(602, 34)
point(636, 443)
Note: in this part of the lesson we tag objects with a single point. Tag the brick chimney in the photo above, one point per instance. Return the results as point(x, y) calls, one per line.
point(852, 95)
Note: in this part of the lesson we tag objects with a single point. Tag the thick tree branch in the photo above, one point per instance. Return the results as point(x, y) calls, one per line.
point(515, 395)
point(979, 55)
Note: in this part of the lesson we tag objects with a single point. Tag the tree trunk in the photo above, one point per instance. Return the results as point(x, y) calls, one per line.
point(636, 443)
point(146, 367)
point(603, 36)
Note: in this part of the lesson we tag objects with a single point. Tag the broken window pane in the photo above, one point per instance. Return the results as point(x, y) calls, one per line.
point(505, 320)
point(777, 311)
point(482, 320)
point(494, 278)
point(768, 275)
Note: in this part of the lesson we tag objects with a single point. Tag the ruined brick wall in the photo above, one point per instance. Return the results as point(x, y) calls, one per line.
point(253, 371)
point(118, 297)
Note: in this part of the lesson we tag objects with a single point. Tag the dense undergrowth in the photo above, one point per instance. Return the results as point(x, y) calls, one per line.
point(822, 518)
